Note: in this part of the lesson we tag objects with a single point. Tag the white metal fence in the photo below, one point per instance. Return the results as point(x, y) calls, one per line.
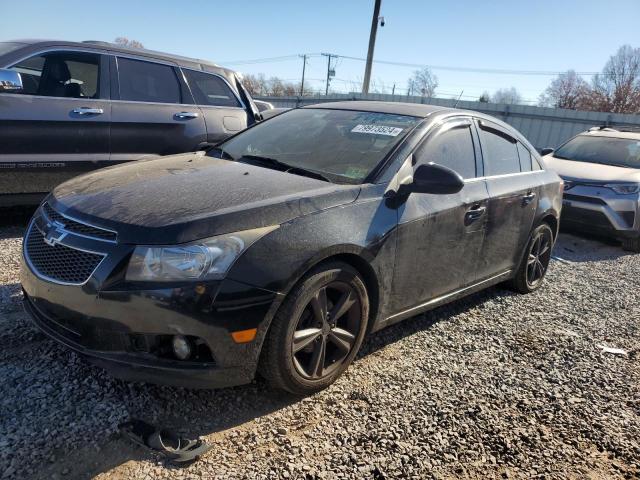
point(544, 127)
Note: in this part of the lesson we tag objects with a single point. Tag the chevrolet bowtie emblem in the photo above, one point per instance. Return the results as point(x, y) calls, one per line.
point(55, 234)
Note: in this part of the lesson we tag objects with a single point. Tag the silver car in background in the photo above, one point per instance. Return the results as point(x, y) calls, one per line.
point(601, 171)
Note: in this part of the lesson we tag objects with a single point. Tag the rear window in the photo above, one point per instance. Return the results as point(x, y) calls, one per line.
point(209, 89)
point(619, 152)
point(142, 81)
point(499, 152)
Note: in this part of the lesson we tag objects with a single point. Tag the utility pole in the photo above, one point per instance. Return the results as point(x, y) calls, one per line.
point(372, 43)
point(330, 72)
point(304, 65)
point(393, 90)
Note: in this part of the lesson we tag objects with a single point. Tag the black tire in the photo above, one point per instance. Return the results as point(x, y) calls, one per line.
point(318, 360)
point(535, 261)
point(631, 244)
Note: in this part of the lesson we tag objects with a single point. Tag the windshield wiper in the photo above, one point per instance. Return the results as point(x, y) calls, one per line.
point(223, 153)
point(272, 162)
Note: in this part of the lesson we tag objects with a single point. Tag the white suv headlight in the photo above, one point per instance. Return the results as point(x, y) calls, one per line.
point(207, 259)
point(624, 188)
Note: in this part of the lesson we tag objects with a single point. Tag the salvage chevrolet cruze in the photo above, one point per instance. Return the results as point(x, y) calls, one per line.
point(278, 250)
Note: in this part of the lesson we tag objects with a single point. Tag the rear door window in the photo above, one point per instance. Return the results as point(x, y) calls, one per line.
point(499, 151)
point(142, 81)
point(61, 74)
point(209, 89)
point(526, 160)
point(452, 148)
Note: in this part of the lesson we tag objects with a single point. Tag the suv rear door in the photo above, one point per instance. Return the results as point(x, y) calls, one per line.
point(153, 111)
point(224, 113)
point(57, 126)
point(514, 192)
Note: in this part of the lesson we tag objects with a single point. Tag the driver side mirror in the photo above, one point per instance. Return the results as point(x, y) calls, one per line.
point(10, 81)
point(434, 178)
point(546, 151)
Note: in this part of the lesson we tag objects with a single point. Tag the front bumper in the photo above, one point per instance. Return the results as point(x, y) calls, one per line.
point(121, 329)
point(598, 209)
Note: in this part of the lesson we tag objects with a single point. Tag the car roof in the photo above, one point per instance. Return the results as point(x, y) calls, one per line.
point(396, 108)
point(181, 61)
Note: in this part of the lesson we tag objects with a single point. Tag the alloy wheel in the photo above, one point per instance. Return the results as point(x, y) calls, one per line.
point(326, 330)
point(538, 258)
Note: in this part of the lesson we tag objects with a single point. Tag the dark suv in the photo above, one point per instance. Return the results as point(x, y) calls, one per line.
point(68, 107)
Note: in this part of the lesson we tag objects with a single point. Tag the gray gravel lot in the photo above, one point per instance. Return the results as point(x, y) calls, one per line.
point(495, 385)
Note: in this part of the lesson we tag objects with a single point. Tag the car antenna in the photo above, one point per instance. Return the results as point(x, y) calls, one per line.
point(458, 99)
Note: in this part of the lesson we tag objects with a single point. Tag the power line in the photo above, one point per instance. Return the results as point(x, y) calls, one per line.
point(495, 71)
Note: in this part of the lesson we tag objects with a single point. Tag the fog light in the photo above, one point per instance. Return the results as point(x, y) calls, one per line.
point(181, 347)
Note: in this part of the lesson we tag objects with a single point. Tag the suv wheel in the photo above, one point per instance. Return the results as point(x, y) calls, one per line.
point(317, 331)
point(534, 264)
point(631, 244)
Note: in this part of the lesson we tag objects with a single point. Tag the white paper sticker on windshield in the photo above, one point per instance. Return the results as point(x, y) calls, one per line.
point(377, 130)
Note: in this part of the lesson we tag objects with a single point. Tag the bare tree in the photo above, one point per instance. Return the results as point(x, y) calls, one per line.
point(567, 90)
point(125, 42)
point(255, 84)
point(617, 88)
point(507, 95)
point(276, 87)
point(424, 83)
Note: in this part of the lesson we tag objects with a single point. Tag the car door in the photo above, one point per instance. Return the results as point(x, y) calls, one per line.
point(57, 126)
point(153, 111)
point(223, 111)
point(439, 237)
point(513, 198)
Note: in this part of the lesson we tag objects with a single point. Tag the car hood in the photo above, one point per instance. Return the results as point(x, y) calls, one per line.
point(186, 197)
point(591, 172)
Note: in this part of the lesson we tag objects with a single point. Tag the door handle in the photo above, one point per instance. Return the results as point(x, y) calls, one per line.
point(87, 111)
point(528, 198)
point(474, 213)
point(186, 115)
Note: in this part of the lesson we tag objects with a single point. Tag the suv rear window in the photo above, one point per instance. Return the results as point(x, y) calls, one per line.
point(209, 89)
point(620, 152)
point(142, 81)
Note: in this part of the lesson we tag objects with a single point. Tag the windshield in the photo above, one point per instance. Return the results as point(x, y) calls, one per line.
point(621, 152)
point(342, 145)
point(6, 47)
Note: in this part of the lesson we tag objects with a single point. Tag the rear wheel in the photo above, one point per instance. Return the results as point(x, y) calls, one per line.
point(317, 330)
point(534, 264)
point(631, 244)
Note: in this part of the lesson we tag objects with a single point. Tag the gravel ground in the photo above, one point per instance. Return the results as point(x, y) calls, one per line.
point(495, 385)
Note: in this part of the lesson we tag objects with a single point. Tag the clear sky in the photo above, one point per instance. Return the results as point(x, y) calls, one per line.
point(529, 35)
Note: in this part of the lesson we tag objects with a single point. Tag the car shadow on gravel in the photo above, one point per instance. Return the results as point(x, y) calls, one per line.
point(579, 246)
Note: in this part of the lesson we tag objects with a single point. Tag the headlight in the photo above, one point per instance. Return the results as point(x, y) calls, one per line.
point(203, 260)
point(624, 188)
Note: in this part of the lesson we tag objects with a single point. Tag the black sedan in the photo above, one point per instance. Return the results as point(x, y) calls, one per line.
point(278, 250)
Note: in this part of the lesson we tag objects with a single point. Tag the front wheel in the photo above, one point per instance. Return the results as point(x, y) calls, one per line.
point(534, 264)
point(317, 331)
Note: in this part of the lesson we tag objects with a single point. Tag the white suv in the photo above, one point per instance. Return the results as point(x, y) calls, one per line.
point(601, 171)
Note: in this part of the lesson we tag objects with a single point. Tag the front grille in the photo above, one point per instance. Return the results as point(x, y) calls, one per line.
point(582, 198)
point(590, 218)
point(59, 263)
point(77, 227)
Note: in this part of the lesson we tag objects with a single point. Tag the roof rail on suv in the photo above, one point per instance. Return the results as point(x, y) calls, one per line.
point(616, 128)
